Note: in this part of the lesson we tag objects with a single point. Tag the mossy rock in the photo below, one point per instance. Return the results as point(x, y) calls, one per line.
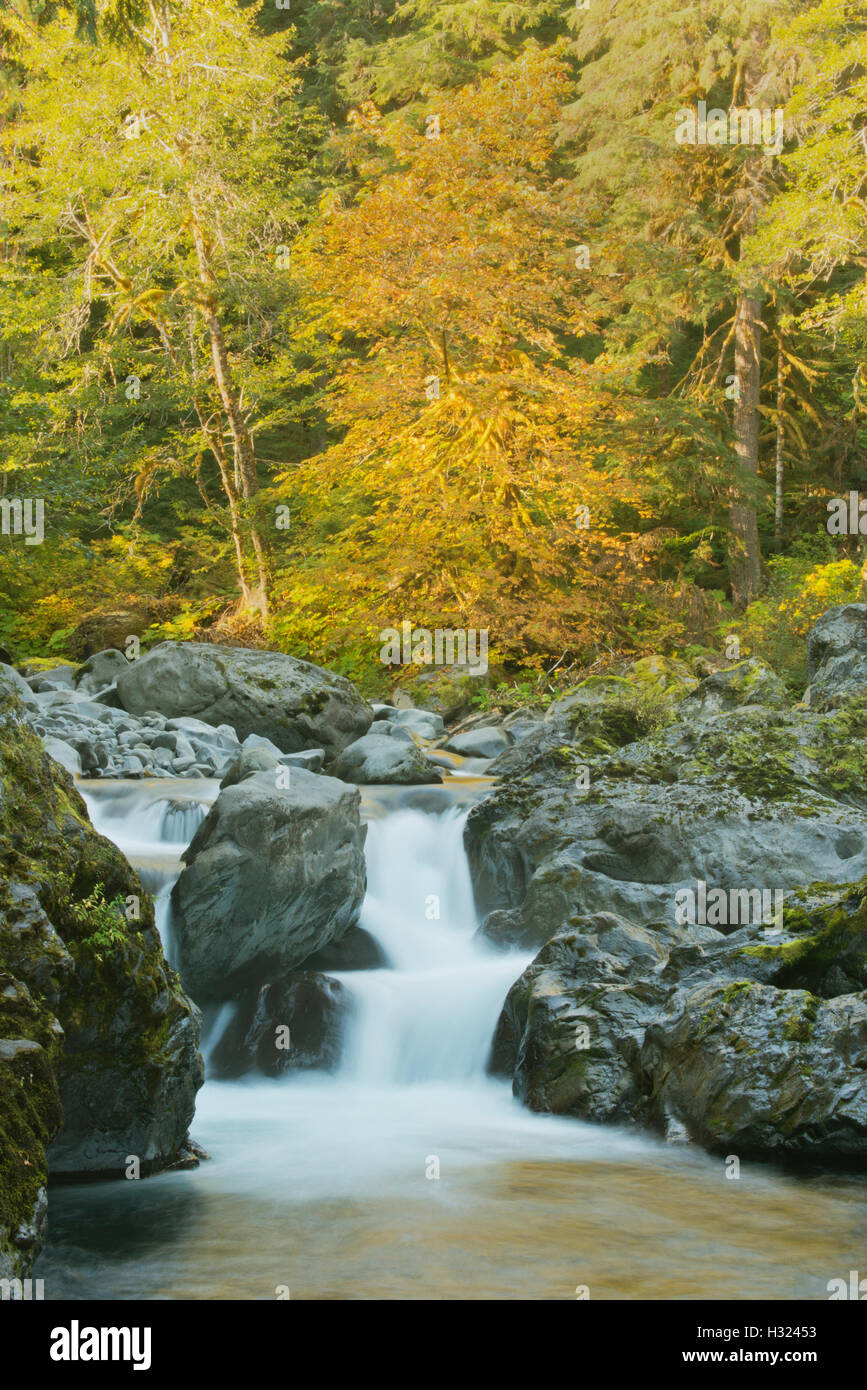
point(83, 963)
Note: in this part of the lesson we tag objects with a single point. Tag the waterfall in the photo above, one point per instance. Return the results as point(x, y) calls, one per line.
point(430, 1014)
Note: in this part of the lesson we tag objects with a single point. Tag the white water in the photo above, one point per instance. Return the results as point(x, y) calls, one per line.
point(411, 1173)
point(431, 1015)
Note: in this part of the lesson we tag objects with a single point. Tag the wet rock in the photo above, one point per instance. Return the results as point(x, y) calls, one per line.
point(100, 671)
point(357, 950)
point(295, 1023)
point(108, 1028)
point(482, 742)
point(272, 875)
point(749, 682)
point(757, 1071)
point(572, 1022)
point(837, 656)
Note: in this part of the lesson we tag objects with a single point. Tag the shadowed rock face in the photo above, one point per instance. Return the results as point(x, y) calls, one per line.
point(273, 874)
point(291, 702)
point(92, 1018)
point(633, 1011)
point(295, 1023)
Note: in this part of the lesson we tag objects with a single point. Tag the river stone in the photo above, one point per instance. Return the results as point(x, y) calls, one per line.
point(749, 1069)
point(272, 875)
point(379, 759)
point(837, 656)
point(12, 683)
point(294, 1023)
point(63, 753)
point(100, 671)
point(484, 742)
point(293, 703)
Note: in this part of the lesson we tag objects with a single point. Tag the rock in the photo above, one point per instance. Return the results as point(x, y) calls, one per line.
point(64, 754)
point(109, 1031)
point(100, 671)
point(248, 763)
point(484, 742)
point(521, 723)
point(312, 759)
point(112, 628)
point(424, 723)
point(447, 690)
point(292, 703)
point(381, 711)
point(506, 930)
point(761, 1072)
point(377, 759)
point(756, 800)
point(13, 684)
point(837, 657)
point(665, 674)
point(271, 876)
point(747, 683)
point(572, 1023)
point(357, 950)
point(295, 1023)
point(52, 678)
point(257, 741)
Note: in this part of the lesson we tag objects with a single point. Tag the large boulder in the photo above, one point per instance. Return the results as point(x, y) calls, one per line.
point(749, 682)
point(378, 759)
point(275, 872)
point(837, 656)
point(291, 702)
point(568, 1023)
point(748, 1069)
point(742, 800)
point(91, 1017)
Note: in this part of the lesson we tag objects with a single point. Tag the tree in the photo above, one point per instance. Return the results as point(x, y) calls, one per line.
point(190, 166)
point(675, 218)
point(471, 479)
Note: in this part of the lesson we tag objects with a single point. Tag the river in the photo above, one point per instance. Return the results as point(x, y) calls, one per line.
point(409, 1173)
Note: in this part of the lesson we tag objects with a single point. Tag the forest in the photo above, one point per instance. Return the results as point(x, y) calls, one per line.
point(538, 318)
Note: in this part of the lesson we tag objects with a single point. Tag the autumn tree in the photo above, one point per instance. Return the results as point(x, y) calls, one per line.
point(471, 480)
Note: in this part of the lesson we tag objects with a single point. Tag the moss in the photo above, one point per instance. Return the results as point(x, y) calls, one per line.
point(117, 1001)
point(832, 933)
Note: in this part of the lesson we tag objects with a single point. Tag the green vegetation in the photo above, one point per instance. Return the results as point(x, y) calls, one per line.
point(290, 361)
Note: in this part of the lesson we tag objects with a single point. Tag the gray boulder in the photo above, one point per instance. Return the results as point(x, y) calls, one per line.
point(292, 703)
point(272, 875)
point(572, 1023)
point(749, 682)
point(837, 656)
point(13, 684)
point(487, 741)
point(100, 671)
point(752, 1070)
point(378, 759)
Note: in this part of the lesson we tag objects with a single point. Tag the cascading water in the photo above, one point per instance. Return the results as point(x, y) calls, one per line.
point(410, 1172)
point(430, 1015)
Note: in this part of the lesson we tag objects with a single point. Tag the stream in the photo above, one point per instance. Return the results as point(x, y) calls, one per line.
point(409, 1173)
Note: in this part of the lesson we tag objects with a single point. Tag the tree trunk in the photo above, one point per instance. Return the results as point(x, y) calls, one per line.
point(242, 442)
point(744, 556)
point(778, 471)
